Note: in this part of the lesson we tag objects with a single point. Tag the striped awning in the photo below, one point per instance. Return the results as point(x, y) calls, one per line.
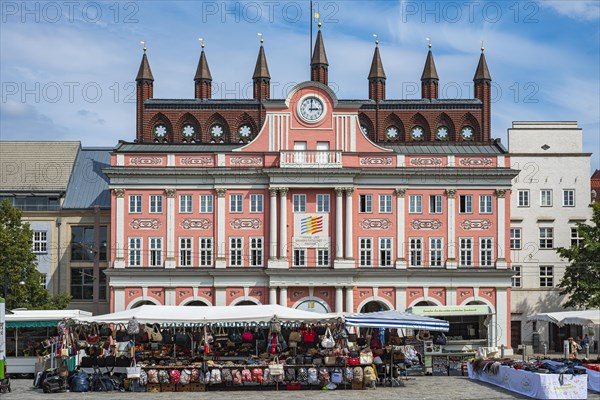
point(396, 320)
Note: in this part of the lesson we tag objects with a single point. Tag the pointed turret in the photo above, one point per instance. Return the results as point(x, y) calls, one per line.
point(144, 91)
point(483, 91)
point(377, 77)
point(261, 76)
point(203, 78)
point(429, 78)
point(319, 64)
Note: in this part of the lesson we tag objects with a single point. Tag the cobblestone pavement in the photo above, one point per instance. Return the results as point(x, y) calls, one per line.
point(421, 387)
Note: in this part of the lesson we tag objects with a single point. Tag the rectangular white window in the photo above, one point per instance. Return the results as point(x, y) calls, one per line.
point(435, 252)
point(256, 252)
point(415, 204)
point(299, 201)
point(435, 204)
point(135, 203)
point(185, 203)
point(365, 246)
point(516, 278)
point(236, 251)
point(206, 203)
point(569, 198)
point(486, 256)
point(546, 238)
point(385, 203)
point(323, 203)
point(575, 238)
point(466, 204)
point(322, 257)
point(185, 252)
point(155, 247)
point(485, 204)
point(385, 252)
point(546, 198)
point(515, 238)
point(256, 203)
point(416, 252)
point(523, 200)
point(466, 252)
point(40, 243)
point(206, 252)
point(366, 203)
point(135, 252)
point(236, 203)
point(546, 276)
point(156, 204)
point(299, 258)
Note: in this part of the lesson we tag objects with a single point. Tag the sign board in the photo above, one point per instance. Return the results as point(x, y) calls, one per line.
point(311, 230)
point(439, 366)
point(441, 311)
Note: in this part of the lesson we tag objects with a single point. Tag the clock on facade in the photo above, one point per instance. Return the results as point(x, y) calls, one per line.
point(442, 133)
point(245, 131)
point(392, 133)
point(311, 109)
point(417, 133)
point(160, 131)
point(188, 131)
point(467, 133)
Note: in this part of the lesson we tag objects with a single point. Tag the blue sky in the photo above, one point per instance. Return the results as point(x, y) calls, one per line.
point(67, 69)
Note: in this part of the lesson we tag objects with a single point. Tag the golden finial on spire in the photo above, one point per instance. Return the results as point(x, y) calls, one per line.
point(202, 42)
point(318, 18)
point(428, 42)
point(143, 43)
point(482, 48)
point(260, 35)
point(376, 39)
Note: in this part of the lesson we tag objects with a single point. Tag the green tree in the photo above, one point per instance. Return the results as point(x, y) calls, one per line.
point(18, 265)
point(581, 281)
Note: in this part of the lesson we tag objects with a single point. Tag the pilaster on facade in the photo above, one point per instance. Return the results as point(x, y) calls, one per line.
point(349, 299)
point(400, 228)
point(339, 235)
point(501, 223)
point(283, 245)
point(119, 228)
point(273, 295)
point(220, 262)
point(349, 223)
point(451, 246)
point(273, 224)
point(283, 296)
point(170, 259)
point(339, 299)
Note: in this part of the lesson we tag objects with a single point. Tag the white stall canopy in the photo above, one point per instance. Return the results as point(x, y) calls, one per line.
point(560, 318)
point(396, 320)
point(211, 315)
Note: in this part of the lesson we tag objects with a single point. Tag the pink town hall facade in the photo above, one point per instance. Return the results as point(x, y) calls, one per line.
point(316, 202)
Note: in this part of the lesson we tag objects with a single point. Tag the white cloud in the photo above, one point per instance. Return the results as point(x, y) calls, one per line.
point(587, 10)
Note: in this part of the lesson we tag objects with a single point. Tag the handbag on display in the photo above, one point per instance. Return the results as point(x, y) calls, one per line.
point(134, 372)
point(181, 338)
point(92, 336)
point(329, 361)
point(247, 336)
point(121, 334)
point(168, 337)
point(328, 342)
point(105, 331)
point(122, 361)
point(276, 326)
point(366, 357)
point(155, 335)
point(235, 336)
point(133, 327)
point(308, 335)
point(295, 336)
point(276, 368)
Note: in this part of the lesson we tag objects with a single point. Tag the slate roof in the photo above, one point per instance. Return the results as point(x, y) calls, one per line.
point(492, 149)
point(175, 148)
point(88, 186)
point(36, 166)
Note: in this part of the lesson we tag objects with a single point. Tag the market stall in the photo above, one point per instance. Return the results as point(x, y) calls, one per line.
point(31, 337)
point(539, 381)
point(593, 372)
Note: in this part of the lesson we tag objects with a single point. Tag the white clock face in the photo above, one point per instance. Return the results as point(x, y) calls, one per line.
point(417, 133)
point(245, 131)
point(216, 131)
point(311, 109)
point(442, 133)
point(188, 131)
point(467, 133)
point(392, 133)
point(160, 131)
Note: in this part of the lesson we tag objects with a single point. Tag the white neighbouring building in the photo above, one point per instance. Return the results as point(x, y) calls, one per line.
point(549, 196)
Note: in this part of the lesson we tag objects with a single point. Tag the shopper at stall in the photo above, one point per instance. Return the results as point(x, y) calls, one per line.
point(572, 348)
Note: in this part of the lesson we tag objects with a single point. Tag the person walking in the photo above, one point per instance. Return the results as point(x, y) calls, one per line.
point(572, 348)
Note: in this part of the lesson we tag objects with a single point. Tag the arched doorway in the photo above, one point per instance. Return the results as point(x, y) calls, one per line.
point(196, 303)
point(143, 303)
point(424, 303)
point(246, 303)
point(312, 305)
point(373, 306)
